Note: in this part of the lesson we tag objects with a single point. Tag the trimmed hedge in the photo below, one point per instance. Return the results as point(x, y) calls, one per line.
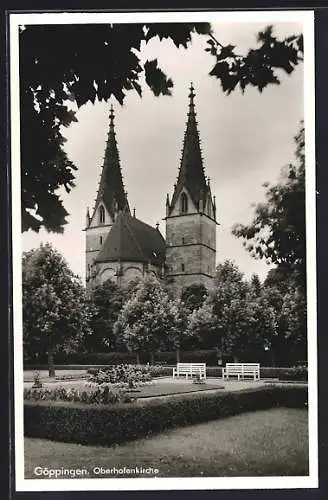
point(208, 356)
point(108, 425)
point(89, 358)
point(112, 358)
point(293, 374)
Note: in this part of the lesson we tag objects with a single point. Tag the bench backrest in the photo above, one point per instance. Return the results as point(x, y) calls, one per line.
point(243, 367)
point(191, 367)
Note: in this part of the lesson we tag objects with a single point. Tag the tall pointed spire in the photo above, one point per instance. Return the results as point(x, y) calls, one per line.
point(191, 172)
point(111, 188)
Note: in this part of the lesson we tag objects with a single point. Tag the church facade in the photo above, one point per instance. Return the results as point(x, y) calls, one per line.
point(121, 247)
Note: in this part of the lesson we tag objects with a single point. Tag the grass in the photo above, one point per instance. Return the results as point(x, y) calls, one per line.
point(265, 443)
point(169, 388)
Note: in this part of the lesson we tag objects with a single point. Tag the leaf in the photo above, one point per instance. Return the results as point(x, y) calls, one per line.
point(226, 52)
point(156, 79)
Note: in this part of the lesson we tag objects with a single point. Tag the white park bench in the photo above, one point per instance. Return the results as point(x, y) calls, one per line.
point(191, 369)
point(241, 370)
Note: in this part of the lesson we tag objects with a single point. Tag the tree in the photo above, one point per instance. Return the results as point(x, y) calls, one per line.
point(55, 312)
point(211, 322)
point(177, 333)
point(277, 232)
point(193, 296)
point(106, 301)
point(83, 63)
point(236, 317)
point(255, 285)
point(279, 277)
point(148, 320)
point(129, 289)
point(290, 339)
point(204, 325)
point(293, 315)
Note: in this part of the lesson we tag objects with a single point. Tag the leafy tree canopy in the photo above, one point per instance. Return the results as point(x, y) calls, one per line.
point(84, 63)
point(277, 231)
point(55, 312)
point(106, 301)
point(193, 296)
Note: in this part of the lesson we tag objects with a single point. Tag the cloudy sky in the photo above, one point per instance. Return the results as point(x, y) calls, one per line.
point(246, 139)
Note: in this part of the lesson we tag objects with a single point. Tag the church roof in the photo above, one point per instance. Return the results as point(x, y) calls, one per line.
point(111, 188)
point(191, 171)
point(131, 240)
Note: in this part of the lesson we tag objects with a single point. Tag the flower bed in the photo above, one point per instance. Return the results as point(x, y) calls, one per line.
point(103, 394)
point(105, 386)
point(129, 374)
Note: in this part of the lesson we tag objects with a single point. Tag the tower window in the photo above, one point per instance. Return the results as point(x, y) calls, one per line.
point(182, 267)
point(101, 215)
point(183, 241)
point(184, 203)
point(100, 240)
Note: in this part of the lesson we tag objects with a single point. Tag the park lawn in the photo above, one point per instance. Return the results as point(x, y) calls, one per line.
point(264, 443)
point(169, 388)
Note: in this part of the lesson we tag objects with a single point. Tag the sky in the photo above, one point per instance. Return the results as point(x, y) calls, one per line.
point(245, 139)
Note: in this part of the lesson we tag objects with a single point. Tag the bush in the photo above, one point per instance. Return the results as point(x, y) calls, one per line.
point(102, 395)
point(294, 374)
point(86, 358)
point(208, 356)
point(115, 358)
point(107, 425)
point(37, 380)
point(160, 371)
point(129, 374)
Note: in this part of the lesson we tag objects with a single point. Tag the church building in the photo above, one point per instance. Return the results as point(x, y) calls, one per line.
point(121, 247)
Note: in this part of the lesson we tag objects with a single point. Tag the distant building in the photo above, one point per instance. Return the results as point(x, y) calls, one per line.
point(121, 247)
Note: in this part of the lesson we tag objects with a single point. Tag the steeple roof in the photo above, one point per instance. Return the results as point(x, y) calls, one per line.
point(111, 188)
point(131, 240)
point(191, 171)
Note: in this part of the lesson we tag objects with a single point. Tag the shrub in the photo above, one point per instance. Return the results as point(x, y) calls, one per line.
point(294, 374)
point(208, 356)
point(129, 374)
point(103, 395)
point(160, 371)
point(86, 358)
point(115, 358)
point(37, 380)
point(106, 425)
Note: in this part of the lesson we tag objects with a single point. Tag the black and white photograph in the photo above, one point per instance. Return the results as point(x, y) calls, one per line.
point(164, 250)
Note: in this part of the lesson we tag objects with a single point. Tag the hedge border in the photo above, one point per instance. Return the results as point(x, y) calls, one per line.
point(108, 425)
point(300, 374)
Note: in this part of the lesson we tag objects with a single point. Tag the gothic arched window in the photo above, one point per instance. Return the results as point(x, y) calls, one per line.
point(101, 215)
point(184, 203)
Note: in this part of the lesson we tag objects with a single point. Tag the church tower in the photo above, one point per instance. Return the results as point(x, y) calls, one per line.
point(110, 200)
point(190, 217)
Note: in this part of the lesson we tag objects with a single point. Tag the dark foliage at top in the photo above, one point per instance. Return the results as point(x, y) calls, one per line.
point(85, 63)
